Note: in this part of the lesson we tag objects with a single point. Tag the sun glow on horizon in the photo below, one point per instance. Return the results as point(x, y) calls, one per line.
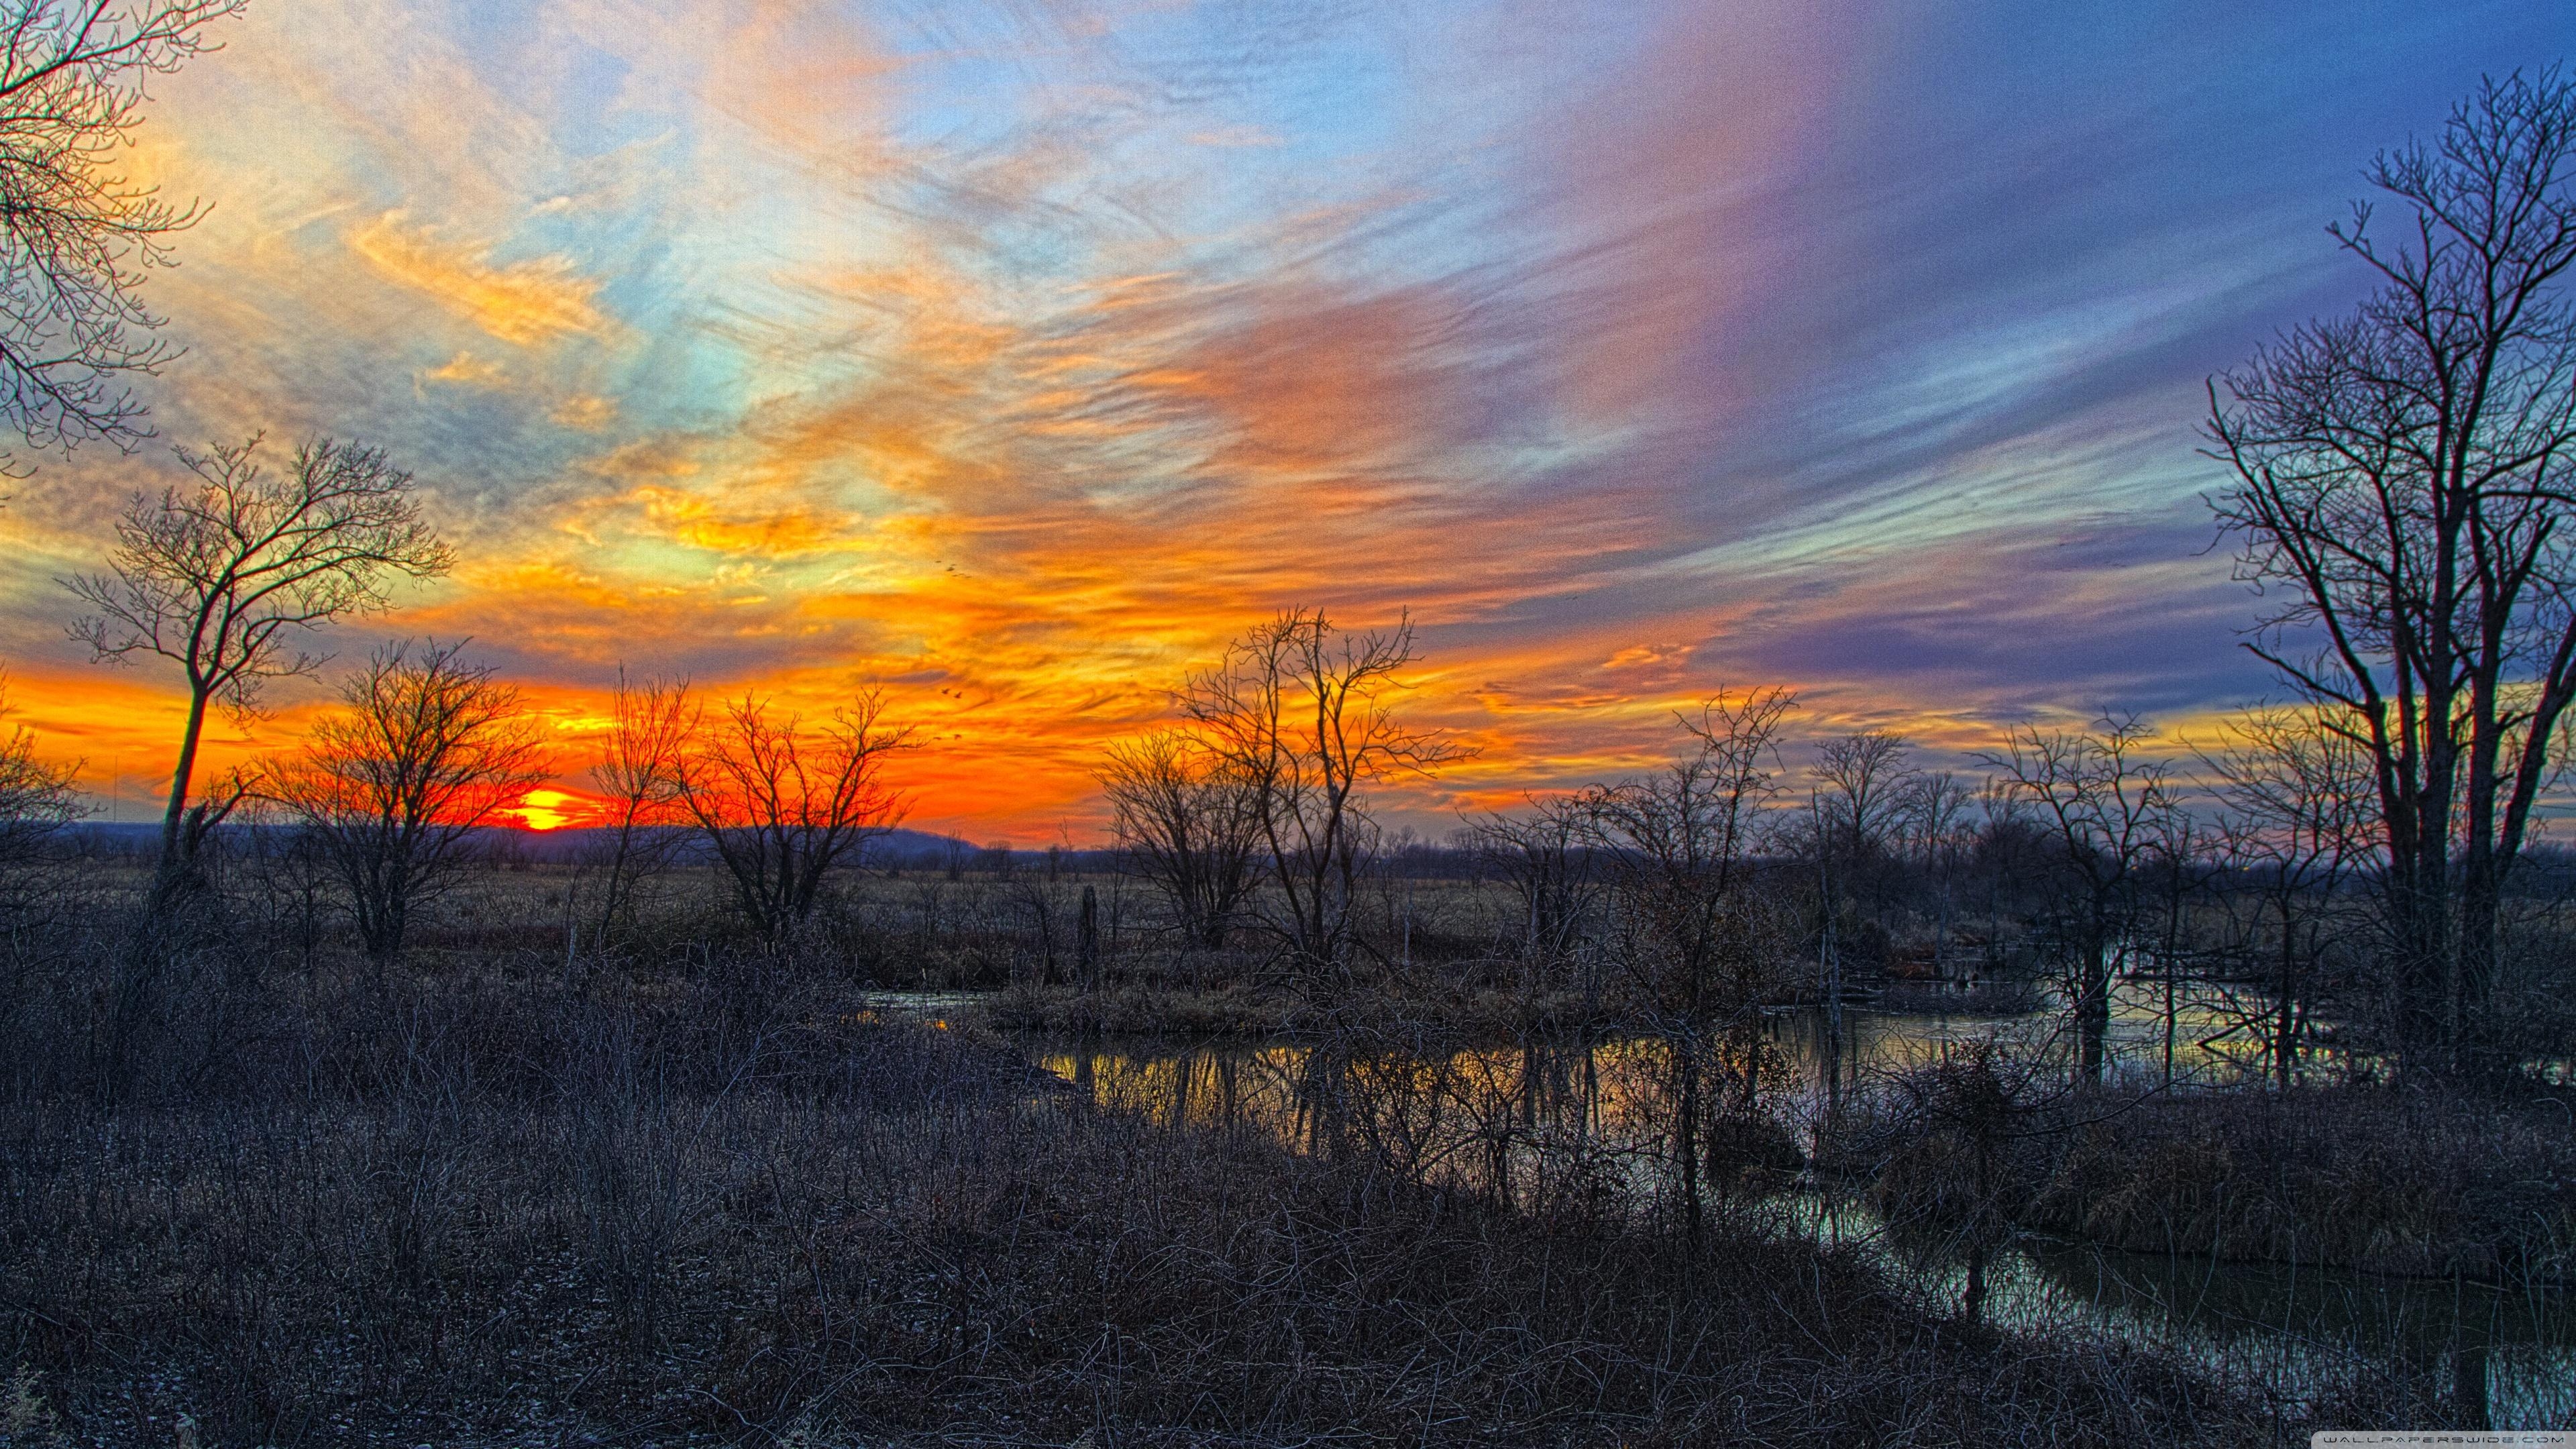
point(1012, 367)
point(545, 810)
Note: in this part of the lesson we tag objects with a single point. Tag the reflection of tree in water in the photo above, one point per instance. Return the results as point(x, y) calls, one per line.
point(1547, 1127)
point(1500, 1122)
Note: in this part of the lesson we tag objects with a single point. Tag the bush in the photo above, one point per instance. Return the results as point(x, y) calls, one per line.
point(485, 1209)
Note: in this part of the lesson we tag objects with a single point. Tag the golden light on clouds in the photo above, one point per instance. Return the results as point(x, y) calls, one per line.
point(1011, 360)
point(466, 370)
point(585, 412)
point(525, 303)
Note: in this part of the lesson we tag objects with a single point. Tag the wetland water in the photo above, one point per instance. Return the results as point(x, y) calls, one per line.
point(1487, 1119)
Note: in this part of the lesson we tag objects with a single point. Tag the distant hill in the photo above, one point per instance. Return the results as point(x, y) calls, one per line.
point(908, 849)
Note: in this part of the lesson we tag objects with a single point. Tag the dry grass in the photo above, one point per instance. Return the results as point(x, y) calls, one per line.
point(506, 1194)
point(484, 1209)
point(2452, 1187)
point(2438, 1186)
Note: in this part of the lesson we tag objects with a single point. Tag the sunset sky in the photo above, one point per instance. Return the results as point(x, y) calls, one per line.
point(1013, 357)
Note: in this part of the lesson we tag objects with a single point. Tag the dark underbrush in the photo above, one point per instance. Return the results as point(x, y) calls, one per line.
point(2477, 1188)
point(493, 1209)
point(2431, 1185)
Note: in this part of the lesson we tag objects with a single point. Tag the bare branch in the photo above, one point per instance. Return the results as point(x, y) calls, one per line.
point(785, 803)
point(2402, 480)
point(223, 577)
point(425, 750)
point(77, 235)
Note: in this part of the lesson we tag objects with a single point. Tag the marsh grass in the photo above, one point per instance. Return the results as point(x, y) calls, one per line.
point(2436, 1186)
point(513, 1190)
point(482, 1208)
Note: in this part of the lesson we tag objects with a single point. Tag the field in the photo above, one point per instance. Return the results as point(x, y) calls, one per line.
point(510, 1189)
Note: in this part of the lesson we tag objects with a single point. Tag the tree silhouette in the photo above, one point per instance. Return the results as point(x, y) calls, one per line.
point(2405, 481)
point(76, 236)
point(220, 578)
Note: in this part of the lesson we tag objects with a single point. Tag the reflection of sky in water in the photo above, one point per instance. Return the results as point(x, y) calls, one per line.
point(1456, 1119)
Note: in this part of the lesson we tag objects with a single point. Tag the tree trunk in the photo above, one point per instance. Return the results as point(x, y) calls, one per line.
point(2093, 1012)
point(1088, 943)
point(1686, 1132)
point(2285, 1042)
point(175, 842)
point(2478, 936)
point(2422, 971)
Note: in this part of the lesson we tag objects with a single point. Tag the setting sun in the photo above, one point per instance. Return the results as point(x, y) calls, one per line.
point(1777, 722)
point(544, 810)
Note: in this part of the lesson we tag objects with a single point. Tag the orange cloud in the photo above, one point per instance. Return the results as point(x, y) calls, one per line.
point(523, 303)
point(465, 370)
point(1019, 417)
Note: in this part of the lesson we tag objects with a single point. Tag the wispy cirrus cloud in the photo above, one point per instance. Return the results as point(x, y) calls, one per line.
point(524, 303)
point(1012, 359)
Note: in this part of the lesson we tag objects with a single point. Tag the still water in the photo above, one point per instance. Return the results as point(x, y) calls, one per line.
point(1488, 1119)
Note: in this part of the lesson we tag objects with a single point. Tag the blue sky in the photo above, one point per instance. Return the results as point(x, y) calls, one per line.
point(1015, 357)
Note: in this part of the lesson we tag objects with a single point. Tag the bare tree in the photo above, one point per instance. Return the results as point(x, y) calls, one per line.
point(1856, 805)
point(424, 750)
point(784, 804)
point(2402, 488)
point(2181, 868)
point(36, 796)
point(1548, 860)
point(2103, 803)
point(221, 577)
point(1861, 783)
point(76, 235)
point(1304, 712)
point(1680, 846)
point(1959, 1132)
point(2297, 793)
point(638, 773)
point(1933, 834)
point(1189, 821)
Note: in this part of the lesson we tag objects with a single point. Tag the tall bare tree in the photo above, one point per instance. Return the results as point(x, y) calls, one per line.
point(223, 576)
point(1189, 820)
point(1856, 807)
point(76, 233)
point(1304, 711)
point(638, 776)
point(1680, 846)
point(2299, 817)
point(1934, 835)
point(2105, 806)
point(785, 803)
point(424, 750)
point(2401, 492)
point(1861, 787)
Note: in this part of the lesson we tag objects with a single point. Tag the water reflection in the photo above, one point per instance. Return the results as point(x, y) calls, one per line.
point(1519, 1123)
point(1614, 1090)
